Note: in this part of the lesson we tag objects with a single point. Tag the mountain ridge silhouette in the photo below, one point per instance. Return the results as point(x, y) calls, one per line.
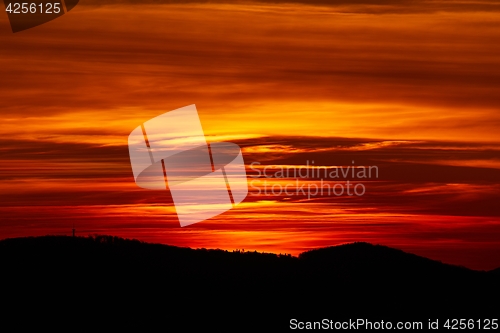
point(360, 249)
point(345, 281)
point(337, 254)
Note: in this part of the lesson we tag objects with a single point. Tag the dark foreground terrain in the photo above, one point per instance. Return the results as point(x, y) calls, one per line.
point(127, 280)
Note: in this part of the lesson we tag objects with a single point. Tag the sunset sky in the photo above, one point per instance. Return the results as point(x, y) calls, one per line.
point(412, 87)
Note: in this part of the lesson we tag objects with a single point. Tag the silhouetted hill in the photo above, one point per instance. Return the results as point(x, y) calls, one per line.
point(347, 281)
point(363, 259)
point(495, 271)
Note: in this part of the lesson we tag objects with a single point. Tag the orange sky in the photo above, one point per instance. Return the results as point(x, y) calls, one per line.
point(409, 87)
